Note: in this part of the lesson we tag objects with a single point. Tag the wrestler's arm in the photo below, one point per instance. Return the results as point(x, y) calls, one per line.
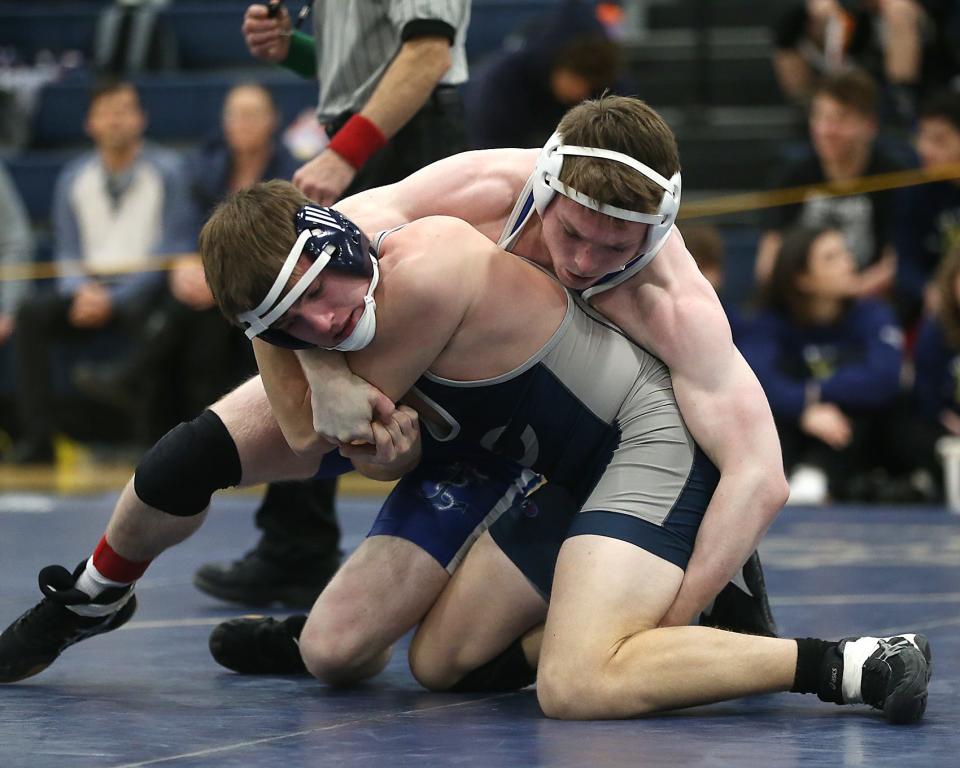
point(289, 396)
point(478, 187)
point(726, 411)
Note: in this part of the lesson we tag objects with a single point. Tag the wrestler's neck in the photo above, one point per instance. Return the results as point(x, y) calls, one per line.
point(531, 247)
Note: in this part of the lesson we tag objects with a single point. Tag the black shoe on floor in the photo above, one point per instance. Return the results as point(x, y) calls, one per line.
point(259, 646)
point(737, 610)
point(34, 641)
point(258, 580)
point(888, 673)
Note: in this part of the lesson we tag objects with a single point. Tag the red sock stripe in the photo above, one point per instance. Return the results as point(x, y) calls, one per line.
point(114, 567)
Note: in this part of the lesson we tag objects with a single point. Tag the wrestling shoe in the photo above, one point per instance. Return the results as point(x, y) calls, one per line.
point(888, 673)
point(259, 645)
point(63, 617)
point(742, 606)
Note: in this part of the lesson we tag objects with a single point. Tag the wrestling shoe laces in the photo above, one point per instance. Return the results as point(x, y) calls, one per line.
point(888, 673)
point(64, 616)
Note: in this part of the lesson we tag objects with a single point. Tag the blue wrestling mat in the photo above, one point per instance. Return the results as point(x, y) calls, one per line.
point(150, 694)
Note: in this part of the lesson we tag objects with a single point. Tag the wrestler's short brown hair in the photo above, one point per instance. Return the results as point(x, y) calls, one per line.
point(245, 242)
point(621, 124)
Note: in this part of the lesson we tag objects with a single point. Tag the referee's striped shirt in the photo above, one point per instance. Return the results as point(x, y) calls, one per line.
point(357, 39)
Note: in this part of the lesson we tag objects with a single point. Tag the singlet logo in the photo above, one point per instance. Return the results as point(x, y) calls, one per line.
point(443, 496)
point(528, 438)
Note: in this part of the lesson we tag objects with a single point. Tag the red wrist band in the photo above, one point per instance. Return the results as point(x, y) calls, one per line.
point(357, 141)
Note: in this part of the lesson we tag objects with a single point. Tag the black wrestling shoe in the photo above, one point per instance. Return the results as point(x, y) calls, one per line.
point(737, 610)
point(259, 646)
point(888, 673)
point(258, 580)
point(34, 641)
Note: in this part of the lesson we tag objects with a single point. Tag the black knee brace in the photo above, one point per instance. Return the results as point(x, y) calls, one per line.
point(181, 472)
point(507, 672)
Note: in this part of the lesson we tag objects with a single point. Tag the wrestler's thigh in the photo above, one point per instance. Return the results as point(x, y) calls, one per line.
point(604, 591)
point(487, 605)
point(381, 591)
point(264, 453)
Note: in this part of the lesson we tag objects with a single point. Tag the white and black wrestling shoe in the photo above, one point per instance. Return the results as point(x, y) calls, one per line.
point(888, 673)
point(63, 617)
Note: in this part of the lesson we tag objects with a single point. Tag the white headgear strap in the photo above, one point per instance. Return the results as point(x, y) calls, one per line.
point(262, 317)
point(611, 210)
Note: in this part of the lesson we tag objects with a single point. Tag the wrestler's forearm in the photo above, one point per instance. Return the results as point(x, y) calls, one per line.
point(289, 396)
point(734, 522)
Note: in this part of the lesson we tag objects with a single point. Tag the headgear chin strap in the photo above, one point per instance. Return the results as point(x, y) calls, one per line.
point(546, 183)
point(331, 240)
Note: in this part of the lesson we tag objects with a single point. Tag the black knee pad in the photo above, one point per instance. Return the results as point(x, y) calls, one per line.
point(504, 673)
point(181, 472)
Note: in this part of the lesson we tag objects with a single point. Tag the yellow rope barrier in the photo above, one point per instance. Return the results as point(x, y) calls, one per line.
point(697, 209)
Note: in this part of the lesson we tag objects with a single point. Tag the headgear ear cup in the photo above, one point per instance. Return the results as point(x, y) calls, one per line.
point(549, 164)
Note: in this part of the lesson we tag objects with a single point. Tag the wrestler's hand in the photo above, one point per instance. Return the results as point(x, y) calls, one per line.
point(343, 405)
point(324, 178)
point(828, 423)
point(396, 449)
point(267, 39)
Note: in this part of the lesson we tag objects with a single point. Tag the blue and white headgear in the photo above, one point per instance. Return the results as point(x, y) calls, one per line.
point(331, 241)
point(546, 183)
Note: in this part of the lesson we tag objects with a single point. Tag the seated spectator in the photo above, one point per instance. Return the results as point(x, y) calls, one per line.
point(186, 332)
point(937, 382)
point(517, 97)
point(16, 251)
point(829, 363)
point(843, 130)
point(902, 43)
point(928, 216)
point(115, 210)
point(705, 244)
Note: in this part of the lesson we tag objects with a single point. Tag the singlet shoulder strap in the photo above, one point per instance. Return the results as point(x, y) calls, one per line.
point(522, 211)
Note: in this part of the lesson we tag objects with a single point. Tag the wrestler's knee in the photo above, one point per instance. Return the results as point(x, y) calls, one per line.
point(582, 687)
point(339, 652)
point(186, 466)
point(436, 669)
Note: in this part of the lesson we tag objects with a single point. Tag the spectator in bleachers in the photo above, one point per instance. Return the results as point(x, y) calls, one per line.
point(829, 363)
point(843, 131)
point(705, 244)
point(115, 211)
point(185, 332)
point(16, 249)
point(928, 215)
point(518, 96)
point(904, 44)
point(937, 355)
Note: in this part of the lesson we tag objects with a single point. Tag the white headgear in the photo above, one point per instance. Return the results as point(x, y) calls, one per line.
point(546, 183)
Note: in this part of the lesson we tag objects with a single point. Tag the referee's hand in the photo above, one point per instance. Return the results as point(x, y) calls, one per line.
point(268, 39)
